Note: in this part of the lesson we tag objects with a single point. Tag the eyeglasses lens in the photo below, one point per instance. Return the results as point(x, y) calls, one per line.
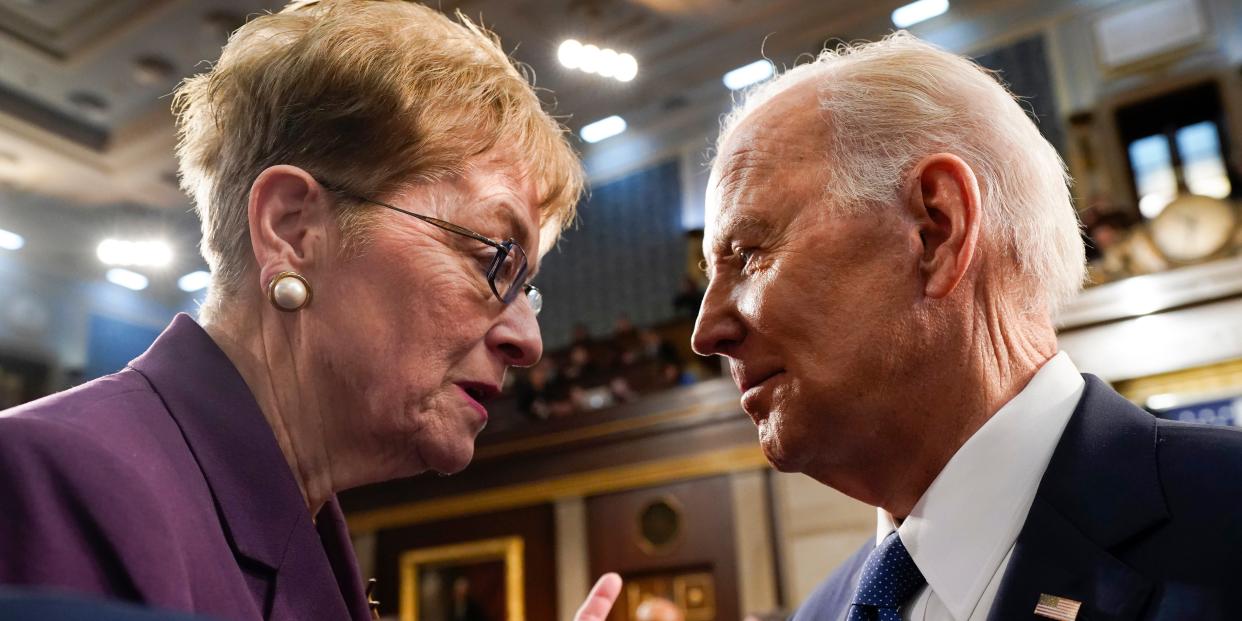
point(510, 275)
point(536, 299)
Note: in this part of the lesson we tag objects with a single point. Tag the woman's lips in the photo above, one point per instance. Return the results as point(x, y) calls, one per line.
point(478, 407)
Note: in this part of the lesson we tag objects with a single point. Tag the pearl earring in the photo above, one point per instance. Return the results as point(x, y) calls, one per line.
point(289, 292)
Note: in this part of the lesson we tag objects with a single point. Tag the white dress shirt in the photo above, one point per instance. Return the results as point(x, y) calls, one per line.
point(962, 531)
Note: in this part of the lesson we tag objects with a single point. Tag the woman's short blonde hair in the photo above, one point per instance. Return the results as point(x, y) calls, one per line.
point(374, 96)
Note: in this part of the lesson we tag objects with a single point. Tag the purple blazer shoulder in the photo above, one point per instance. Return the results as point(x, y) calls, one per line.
point(163, 484)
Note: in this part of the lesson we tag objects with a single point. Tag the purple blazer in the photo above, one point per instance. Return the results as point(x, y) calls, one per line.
point(163, 484)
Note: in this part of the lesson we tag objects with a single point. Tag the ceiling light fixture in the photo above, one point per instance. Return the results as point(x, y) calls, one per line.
point(127, 279)
point(920, 11)
point(11, 241)
point(604, 62)
point(746, 75)
point(607, 66)
point(603, 129)
point(194, 281)
point(134, 253)
point(627, 68)
point(588, 58)
point(569, 53)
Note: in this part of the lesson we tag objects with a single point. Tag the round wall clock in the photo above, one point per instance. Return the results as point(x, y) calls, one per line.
point(1193, 227)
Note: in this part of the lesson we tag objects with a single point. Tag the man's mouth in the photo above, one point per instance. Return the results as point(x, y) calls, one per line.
point(753, 402)
point(747, 382)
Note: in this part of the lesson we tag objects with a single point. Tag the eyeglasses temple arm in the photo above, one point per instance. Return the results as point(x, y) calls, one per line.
point(448, 226)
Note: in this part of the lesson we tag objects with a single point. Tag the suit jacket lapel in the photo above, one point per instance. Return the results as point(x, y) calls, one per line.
point(1053, 557)
point(305, 583)
point(1101, 489)
point(260, 505)
point(334, 534)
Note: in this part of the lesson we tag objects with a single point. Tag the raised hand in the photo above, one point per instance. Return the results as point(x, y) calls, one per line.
point(600, 601)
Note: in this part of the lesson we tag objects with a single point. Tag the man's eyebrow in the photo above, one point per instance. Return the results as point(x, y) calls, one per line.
point(737, 226)
point(731, 228)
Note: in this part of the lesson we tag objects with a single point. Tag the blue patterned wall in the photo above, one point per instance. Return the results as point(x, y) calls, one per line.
point(1023, 66)
point(626, 255)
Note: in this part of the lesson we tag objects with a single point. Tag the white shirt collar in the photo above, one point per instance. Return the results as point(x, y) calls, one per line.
point(962, 528)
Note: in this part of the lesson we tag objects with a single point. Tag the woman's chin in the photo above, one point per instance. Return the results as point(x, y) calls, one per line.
point(450, 459)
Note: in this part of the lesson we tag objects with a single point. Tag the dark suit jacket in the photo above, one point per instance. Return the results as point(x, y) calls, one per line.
point(163, 484)
point(1136, 517)
point(22, 605)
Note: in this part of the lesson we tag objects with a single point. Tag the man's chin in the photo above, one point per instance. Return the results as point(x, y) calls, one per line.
point(772, 452)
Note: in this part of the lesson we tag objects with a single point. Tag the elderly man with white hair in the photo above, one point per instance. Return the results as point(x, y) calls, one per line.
point(888, 238)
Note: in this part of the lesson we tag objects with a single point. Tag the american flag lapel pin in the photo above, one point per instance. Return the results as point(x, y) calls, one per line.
point(1059, 608)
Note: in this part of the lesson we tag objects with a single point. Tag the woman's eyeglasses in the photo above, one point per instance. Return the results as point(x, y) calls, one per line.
point(507, 272)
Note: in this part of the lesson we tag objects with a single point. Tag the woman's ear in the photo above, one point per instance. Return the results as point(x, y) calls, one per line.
point(943, 196)
point(290, 216)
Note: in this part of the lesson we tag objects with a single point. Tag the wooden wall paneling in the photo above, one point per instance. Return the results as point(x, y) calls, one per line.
point(535, 525)
point(705, 543)
point(755, 542)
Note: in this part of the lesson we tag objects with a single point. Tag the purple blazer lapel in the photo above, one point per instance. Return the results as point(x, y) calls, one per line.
point(304, 584)
point(336, 543)
point(1101, 488)
point(259, 502)
point(258, 499)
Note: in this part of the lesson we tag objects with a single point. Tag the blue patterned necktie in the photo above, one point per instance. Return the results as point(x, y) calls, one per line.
point(889, 578)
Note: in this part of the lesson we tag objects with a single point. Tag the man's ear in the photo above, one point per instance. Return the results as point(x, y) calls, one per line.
point(288, 212)
point(943, 197)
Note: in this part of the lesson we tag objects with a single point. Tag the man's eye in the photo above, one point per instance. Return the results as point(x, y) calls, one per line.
point(745, 255)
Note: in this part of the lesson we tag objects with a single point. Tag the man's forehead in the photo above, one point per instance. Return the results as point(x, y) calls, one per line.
point(791, 113)
point(774, 151)
point(786, 128)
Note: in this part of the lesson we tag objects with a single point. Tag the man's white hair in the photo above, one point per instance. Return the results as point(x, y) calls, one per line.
point(890, 103)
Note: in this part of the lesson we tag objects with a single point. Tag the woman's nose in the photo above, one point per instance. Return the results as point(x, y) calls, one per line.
point(516, 337)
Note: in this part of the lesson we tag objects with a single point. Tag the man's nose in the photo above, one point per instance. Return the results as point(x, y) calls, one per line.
point(718, 330)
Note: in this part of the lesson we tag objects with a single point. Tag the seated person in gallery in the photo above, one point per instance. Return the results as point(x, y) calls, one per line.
point(889, 237)
point(624, 340)
point(689, 297)
point(658, 609)
point(766, 616)
point(362, 170)
point(1119, 247)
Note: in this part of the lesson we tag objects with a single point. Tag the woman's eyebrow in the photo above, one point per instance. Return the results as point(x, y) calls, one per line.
point(503, 211)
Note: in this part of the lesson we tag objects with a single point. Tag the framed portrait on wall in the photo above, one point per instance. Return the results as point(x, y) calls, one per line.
point(472, 581)
point(693, 592)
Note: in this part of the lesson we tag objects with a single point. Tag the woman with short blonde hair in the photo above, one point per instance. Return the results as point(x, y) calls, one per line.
point(376, 184)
